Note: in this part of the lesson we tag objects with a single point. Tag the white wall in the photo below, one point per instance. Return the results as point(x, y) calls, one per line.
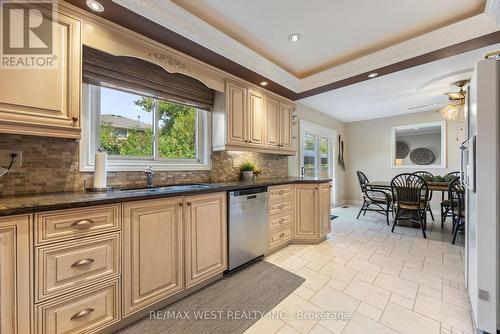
point(431, 141)
point(316, 117)
point(368, 149)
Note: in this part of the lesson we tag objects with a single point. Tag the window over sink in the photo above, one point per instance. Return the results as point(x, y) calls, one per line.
point(137, 129)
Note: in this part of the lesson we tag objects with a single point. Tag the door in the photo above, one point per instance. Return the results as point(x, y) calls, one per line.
point(152, 252)
point(46, 101)
point(273, 118)
point(205, 236)
point(325, 194)
point(255, 118)
point(306, 212)
point(15, 261)
point(286, 126)
point(236, 113)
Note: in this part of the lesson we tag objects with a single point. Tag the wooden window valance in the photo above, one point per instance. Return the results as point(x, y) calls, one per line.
point(129, 73)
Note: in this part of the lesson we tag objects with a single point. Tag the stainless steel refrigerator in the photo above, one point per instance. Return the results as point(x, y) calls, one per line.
point(481, 176)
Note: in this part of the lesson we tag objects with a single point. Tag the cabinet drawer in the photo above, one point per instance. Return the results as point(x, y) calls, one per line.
point(86, 312)
point(280, 237)
point(279, 220)
point(281, 206)
point(277, 192)
point(76, 223)
point(67, 266)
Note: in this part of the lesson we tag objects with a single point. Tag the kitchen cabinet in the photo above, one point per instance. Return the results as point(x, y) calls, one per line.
point(250, 119)
point(205, 229)
point(312, 212)
point(15, 286)
point(46, 101)
point(152, 252)
point(281, 208)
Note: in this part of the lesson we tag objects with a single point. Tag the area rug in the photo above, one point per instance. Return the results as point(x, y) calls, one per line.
point(230, 305)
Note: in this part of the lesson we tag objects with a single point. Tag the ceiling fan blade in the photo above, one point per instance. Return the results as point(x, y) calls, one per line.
point(428, 106)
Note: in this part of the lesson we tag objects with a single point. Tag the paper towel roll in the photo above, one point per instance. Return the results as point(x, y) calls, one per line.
point(100, 169)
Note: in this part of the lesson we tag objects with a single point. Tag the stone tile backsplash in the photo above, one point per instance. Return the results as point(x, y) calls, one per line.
point(51, 165)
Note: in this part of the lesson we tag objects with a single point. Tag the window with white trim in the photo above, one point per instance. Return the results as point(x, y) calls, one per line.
point(138, 129)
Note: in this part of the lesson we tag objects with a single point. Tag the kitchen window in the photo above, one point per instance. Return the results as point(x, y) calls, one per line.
point(142, 115)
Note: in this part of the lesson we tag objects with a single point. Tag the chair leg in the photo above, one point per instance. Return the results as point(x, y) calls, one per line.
point(362, 207)
point(395, 220)
point(430, 210)
point(443, 216)
point(423, 222)
point(387, 214)
point(455, 232)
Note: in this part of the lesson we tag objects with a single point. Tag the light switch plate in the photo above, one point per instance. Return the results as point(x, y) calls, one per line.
point(5, 159)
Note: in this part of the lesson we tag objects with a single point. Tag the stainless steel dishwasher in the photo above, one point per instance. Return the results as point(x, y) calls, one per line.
point(247, 225)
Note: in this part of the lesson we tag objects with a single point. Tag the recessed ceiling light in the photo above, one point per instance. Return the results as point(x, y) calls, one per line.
point(264, 83)
point(372, 75)
point(95, 5)
point(294, 37)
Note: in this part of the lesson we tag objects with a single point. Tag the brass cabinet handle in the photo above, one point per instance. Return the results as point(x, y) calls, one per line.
point(181, 204)
point(282, 220)
point(282, 235)
point(82, 313)
point(188, 203)
point(74, 119)
point(83, 224)
point(82, 262)
point(282, 191)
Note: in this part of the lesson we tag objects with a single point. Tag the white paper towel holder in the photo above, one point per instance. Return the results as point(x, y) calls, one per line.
point(96, 189)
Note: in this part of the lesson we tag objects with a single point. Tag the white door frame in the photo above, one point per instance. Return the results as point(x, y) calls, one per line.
point(321, 131)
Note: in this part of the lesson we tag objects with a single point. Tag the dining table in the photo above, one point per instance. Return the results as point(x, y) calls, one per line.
point(386, 185)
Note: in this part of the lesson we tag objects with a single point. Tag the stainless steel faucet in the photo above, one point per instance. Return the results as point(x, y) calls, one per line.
point(149, 175)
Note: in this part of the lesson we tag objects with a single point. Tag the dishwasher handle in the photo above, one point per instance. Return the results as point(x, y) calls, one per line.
point(248, 192)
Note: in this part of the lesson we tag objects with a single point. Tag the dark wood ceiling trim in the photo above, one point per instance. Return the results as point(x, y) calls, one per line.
point(448, 51)
point(135, 22)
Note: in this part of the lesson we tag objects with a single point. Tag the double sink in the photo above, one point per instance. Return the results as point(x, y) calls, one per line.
point(173, 188)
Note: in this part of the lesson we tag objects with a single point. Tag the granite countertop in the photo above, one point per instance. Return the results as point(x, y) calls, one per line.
point(52, 201)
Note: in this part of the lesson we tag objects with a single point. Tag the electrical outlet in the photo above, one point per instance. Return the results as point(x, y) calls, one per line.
point(5, 159)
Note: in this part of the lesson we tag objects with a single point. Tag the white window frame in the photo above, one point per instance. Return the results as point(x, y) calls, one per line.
point(89, 142)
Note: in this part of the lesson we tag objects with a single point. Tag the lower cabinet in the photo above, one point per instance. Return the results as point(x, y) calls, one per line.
point(205, 236)
point(15, 268)
point(152, 252)
point(312, 212)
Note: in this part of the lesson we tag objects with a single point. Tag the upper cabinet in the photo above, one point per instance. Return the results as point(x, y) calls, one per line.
point(46, 101)
point(252, 120)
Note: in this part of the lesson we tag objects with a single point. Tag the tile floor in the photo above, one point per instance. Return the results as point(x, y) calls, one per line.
point(365, 279)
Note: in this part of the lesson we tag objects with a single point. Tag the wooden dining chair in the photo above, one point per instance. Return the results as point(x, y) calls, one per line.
point(426, 175)
point(445, 203)
point(410, 195)
point(456, 196)
point(373, 200)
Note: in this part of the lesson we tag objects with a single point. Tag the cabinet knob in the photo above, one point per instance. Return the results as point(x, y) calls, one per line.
point(282, 220)
point(83, 224)
point(82, 262)
point(74, 119)
point(282, 191)
point(188, 203)
point(282, 206)
point(181, 204)
point(82, 313)
point(282, 235)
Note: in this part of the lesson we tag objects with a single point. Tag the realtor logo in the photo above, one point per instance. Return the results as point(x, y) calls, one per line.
point(27, 36)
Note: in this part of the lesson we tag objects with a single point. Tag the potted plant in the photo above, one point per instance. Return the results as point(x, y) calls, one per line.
point(247, 169)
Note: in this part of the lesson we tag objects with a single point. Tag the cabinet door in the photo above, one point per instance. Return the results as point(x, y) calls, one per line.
point(15, 264)
point(285, 126)
point(46, 101)
point(236, 113)
point(306, 212)
point(205, 237)
point(273, 122)
point(152, 252)
point(256, 119)
point(325, 195)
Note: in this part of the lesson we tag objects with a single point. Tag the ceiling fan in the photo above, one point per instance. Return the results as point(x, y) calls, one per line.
point(455, 104)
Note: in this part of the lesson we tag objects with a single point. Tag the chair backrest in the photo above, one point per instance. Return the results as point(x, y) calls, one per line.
point(456, 194)
point(363, 180)
point(409, 189)
point(423, 174)
point(456, 174)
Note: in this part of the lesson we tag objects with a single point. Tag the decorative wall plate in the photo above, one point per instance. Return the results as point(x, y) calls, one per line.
point(422, 156)
point(402, 150)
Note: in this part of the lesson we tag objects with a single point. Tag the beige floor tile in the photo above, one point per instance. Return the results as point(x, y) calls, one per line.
point(338, 272)
point(287, 329)
point(449, 314)
point(314, 266)
point(265, 325)
point(316, 256)
point(336, 284)
point(333, 300)
point(421, 277)
point(369, 311)
point(456, 274)
point(429, 292)
point(364, 266)
point(457, 296)
point(314, 279)
point(368, 293)
point(318, 329)
point(381, 247)
point(387, 261)
point(304, 292)
point(365, 277)
point(390, 271)
point(405, 321)
point(361, 324)
point(402, 301)
point(291, 306)
point(398, 285)
point(292, 263)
